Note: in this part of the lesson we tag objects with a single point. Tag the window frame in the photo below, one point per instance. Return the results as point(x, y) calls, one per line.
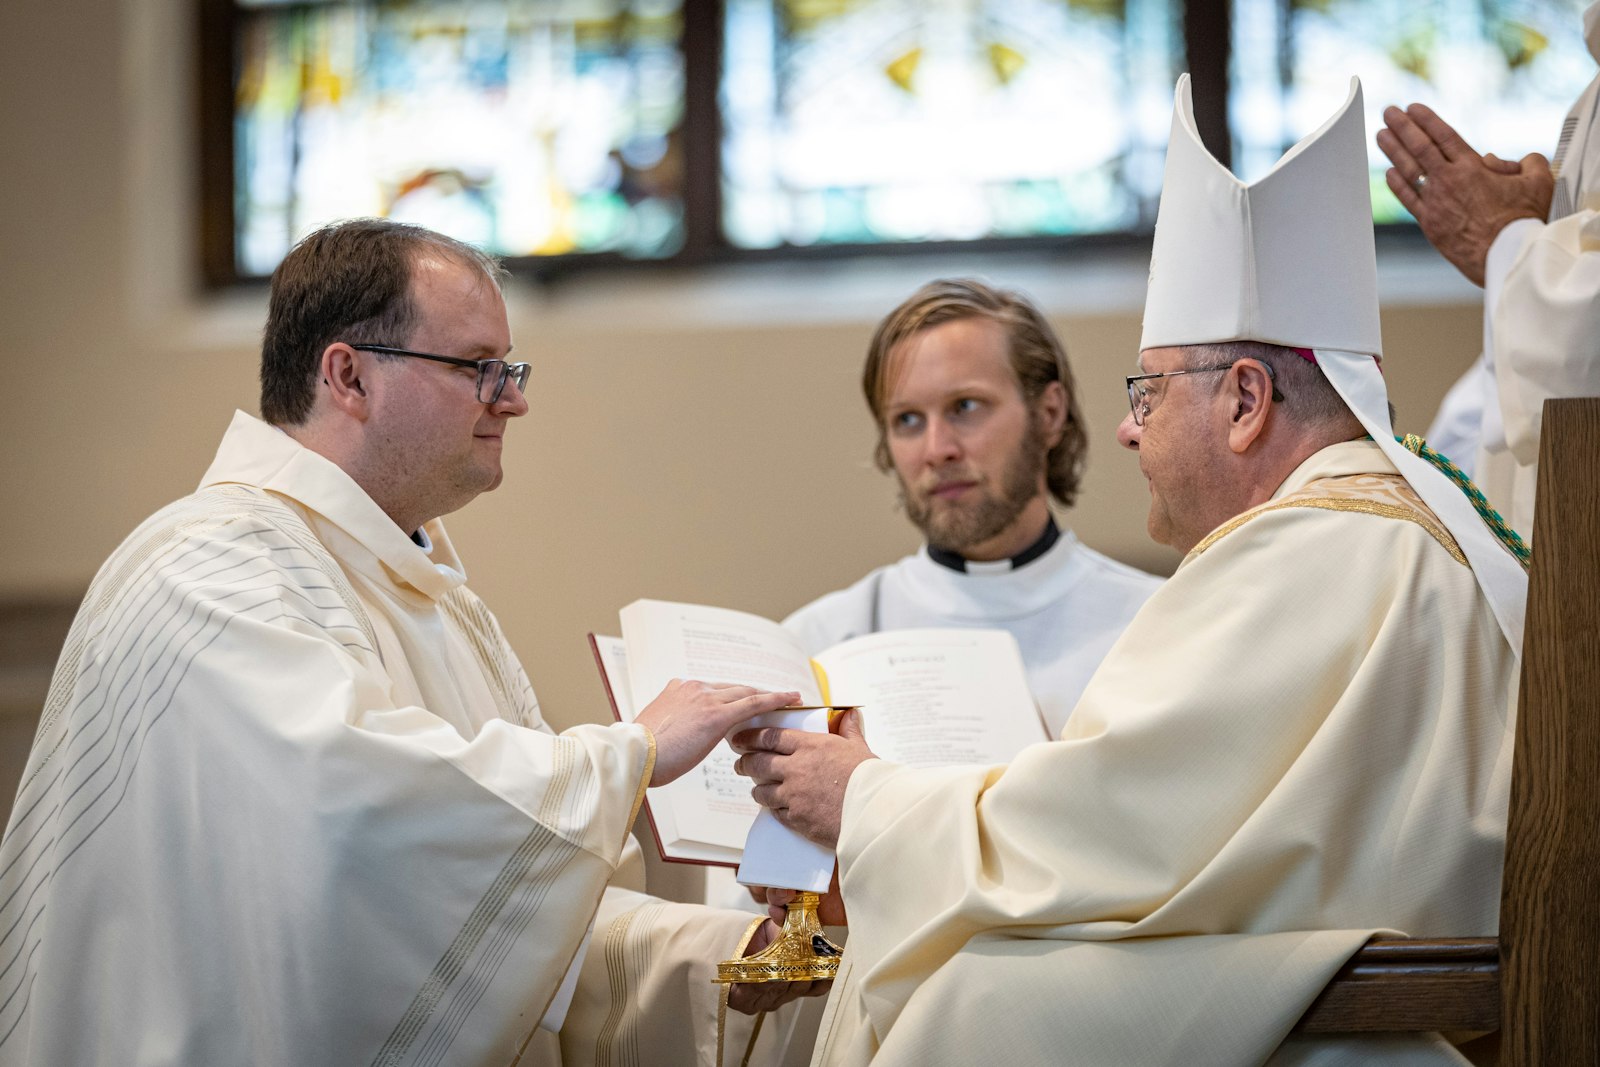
point(1207, 44)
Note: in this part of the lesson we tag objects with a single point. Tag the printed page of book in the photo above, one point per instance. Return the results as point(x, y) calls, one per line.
point(936, 698)
point(612, 652)
point(689, 791)
point(712, 804)
point(667, 641)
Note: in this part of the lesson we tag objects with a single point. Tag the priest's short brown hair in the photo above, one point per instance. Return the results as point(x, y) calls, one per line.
point(348, 281)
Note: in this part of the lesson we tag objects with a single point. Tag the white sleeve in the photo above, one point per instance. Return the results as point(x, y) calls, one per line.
point(1543, 319)
point(1457, 428)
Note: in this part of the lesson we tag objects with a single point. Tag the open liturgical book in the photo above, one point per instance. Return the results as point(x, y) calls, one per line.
point(929, 698)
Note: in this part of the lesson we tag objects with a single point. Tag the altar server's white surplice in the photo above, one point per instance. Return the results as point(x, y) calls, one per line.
point(292, 802)
point(1303, 738)
point(1541, 299)
point(1542, 302)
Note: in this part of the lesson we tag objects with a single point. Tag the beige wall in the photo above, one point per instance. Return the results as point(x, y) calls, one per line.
point(693, 437)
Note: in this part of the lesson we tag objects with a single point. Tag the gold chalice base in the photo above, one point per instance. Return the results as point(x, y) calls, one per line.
point(800, 953)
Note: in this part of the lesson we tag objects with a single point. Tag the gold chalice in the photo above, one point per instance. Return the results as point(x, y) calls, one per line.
point(800, 953)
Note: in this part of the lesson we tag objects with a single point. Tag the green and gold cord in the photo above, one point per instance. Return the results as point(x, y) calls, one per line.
point(1502, 529)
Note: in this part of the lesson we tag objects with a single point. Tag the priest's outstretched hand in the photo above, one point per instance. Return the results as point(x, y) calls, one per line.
point(801, 776)
point(689, 718)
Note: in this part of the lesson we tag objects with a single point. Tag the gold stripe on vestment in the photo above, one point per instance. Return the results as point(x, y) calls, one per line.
point(285, 519)
point(532, 872)
point(627, 957)
point(471, 623)
point(1315, 496)
point(644, 778)
point(615, 935)
point(512, 689)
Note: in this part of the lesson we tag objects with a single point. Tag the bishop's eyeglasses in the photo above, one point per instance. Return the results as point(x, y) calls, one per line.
point(492, 373)
point(1139, 395)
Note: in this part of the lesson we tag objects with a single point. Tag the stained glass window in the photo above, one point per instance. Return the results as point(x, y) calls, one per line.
point(911, 120)
point(525, 126)
point(552, 130)
point(1502, 72)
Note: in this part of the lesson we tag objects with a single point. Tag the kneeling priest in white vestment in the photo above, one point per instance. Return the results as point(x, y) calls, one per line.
point(292, 801)
point(1303, 737)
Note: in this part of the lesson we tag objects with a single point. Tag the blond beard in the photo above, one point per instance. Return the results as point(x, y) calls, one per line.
point(964, 525)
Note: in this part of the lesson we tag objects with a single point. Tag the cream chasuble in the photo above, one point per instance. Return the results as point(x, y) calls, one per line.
point(292, 802)
point(1302, 739)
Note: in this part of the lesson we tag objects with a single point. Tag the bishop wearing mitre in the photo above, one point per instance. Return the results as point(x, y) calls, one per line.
point(1302, 739)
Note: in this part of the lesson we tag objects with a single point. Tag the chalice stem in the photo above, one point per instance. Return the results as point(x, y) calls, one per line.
point(800, 953)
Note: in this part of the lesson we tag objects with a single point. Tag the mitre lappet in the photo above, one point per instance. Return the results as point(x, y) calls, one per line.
point(1290, 260)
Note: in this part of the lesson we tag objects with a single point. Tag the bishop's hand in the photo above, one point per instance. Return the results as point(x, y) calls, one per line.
point(830, 905)
point(801, 776)
point(754, 997)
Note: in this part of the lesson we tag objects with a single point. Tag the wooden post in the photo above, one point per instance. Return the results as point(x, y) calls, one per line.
point(1550, 903)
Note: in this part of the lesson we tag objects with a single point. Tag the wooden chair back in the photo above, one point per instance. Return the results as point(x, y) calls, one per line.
point(1538, 983)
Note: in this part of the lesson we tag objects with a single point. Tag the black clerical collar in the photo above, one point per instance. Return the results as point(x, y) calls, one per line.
point(1052, 533)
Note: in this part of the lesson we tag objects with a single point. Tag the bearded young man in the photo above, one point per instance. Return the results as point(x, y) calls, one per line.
point(1302, 739)
point(977, 419)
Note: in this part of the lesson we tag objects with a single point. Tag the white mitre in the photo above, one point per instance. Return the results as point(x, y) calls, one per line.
point(1290, 260)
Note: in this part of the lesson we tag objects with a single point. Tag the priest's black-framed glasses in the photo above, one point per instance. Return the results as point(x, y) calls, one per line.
point(492, 373)
point(1139, 396)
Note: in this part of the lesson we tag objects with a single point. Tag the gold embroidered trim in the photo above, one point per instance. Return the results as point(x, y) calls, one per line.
point(649, 769)
point(470, 619)
point(1366, 507)
point(750, 1046)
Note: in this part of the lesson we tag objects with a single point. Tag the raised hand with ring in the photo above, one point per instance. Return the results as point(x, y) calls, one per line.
point(1469, 198)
